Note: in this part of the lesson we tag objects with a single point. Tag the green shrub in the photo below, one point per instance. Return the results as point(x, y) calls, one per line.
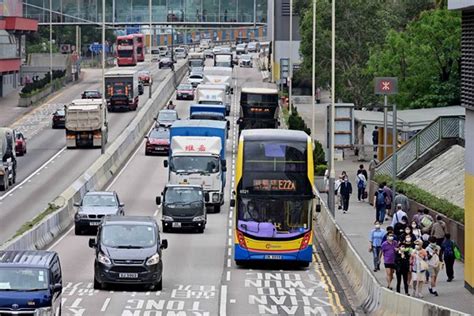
point(318, 154)
point(296, 122)
point(319, 170)
point(29, 88)
point(427, 199)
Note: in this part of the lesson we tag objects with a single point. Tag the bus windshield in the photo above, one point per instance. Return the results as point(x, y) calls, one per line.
point(125, 42)
point(125, 53)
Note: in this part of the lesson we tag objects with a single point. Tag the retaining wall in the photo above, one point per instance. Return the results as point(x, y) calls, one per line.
point(100, 172)
point(371, 296)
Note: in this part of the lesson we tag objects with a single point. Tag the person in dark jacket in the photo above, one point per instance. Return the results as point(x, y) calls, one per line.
point(345, 191)
point(447, 248)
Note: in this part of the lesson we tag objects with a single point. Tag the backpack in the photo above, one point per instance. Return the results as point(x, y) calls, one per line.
point(448, 251)
point(426, 222)
point(380, 198)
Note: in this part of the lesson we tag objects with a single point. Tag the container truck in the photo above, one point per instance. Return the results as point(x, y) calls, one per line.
point(86, 123)
point(197, 156)
point(121, 90)
point(8, 156)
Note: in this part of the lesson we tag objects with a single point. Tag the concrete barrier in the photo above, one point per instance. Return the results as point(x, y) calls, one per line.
point(100, 172)
point(371, 296)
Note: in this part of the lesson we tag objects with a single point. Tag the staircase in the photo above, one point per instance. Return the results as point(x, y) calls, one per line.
point(426, 145)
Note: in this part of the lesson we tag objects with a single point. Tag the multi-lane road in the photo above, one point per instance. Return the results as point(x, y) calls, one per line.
point(200, 277)
point(49, 168)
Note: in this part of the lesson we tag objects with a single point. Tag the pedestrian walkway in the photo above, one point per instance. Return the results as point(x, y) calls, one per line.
point(358, 222)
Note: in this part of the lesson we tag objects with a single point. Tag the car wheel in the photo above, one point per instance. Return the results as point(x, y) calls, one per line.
point(147, 153)
point(159, 285)
point(77, 231)
point(200, 230)
point(97, 284)
point(24, 153)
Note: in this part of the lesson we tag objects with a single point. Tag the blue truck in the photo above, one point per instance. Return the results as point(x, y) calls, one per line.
point(197, 156)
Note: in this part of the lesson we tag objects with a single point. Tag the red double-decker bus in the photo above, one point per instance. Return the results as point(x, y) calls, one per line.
point(127, 50)
point(140, 47)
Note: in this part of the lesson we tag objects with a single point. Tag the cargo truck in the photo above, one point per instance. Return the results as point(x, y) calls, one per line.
point(86, 123)
point(219, 75)
point(208, 112)
point(121, 90)
point(197, 156)
point(223, 60)
point(8, 156)
point(213, 94)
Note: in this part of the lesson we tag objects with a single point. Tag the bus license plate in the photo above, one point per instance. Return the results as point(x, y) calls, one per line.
point(128, 275)
point(176, 225)
point(273, 257)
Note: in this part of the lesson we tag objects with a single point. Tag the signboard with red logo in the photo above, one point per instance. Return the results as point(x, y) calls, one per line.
point(386, 85)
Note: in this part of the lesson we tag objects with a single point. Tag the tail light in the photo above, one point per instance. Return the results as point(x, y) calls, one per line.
point(306, 240)
point(241, 239)
point(97, 134)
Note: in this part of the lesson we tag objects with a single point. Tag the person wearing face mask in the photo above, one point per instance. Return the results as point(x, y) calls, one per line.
point(415, 229)
point(418, 266)
point(375, 244)
point(408, 237)
point(346, 191)
point(402, 266)
point(434, 264)
point(389, 249)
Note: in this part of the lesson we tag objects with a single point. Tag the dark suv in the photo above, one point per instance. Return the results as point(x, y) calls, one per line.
point(128, 251)
point(30, 283)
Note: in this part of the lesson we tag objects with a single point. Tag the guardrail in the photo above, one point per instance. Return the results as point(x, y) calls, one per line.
point(444, 127)
point(99, 173)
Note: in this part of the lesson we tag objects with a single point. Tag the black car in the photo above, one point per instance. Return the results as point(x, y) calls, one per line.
point(93, 207)
point(91, 94)
point(166, 63)
point(59, 119)
point(158, 142)
point(183, 207)
point(128, 250)
point(166, 118)
point(30, 282)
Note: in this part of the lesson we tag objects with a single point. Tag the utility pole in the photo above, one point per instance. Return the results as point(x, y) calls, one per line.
point(102, 147)
point(290, 72)
point(332, 172)
point(313, 85)
point(51, 41)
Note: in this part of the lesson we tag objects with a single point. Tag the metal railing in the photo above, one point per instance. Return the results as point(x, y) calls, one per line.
point(444, 127)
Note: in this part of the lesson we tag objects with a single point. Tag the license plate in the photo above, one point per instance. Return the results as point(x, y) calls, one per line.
point(176, 225)
point(128, 275)
point(94, 223)
point(273, 257)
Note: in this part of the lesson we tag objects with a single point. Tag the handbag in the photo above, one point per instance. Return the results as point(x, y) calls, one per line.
point(423, 265)
point(457, 253)
point(364, 196)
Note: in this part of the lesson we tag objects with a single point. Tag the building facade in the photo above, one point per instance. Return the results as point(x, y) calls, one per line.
point(467, 100)
point(13, 27)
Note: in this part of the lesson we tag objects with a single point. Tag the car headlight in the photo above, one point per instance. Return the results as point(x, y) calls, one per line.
point(155, 259)
point(200, 218)
point(103, 259)
point(167, 218)
point(44, 311)
point(80, 215)
point(215, 197)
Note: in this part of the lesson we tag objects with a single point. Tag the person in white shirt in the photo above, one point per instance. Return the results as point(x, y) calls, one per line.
point(337, 188)
point(397, 217)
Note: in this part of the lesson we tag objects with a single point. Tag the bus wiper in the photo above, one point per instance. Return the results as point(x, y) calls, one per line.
point(129, 247)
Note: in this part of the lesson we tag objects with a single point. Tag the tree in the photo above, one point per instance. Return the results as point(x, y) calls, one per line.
point(426, 59)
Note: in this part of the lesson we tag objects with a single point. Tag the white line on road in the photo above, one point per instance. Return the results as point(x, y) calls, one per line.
point(229, 241)
point(105, 305)
point(228, 276)
point(32, 175)
point(229, 251)
point(76, 303)
point(229, 263)
point(223, 303)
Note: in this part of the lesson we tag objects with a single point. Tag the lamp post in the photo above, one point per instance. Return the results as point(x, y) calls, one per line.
point(290, 72)
point(313, 61)
point(149, 49)
point(102, 147)
point(332, 172)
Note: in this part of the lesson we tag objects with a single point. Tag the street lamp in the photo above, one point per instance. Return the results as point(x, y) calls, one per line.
point(332, 173)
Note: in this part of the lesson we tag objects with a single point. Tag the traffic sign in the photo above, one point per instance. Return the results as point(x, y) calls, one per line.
point(95, 47)
point(386, 85)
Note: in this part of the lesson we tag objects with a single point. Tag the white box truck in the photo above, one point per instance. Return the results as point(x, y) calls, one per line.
point(86, 123)
point(214, 94)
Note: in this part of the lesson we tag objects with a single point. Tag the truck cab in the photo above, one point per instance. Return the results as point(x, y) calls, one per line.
point(183, 207)
point(122, 90)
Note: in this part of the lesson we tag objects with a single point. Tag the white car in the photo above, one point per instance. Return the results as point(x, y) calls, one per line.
point(217, 49)
point(241, 49)
point(195, 79)
point(252, 47)
point(180, 52)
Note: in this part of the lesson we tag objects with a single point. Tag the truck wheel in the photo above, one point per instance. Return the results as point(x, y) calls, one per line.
point(200, 230)
point(217, 208)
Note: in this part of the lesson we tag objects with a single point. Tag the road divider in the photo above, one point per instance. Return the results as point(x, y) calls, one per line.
point(99, 173)
point(372, 297)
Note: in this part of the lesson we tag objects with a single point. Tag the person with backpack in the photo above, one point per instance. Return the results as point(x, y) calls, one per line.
point(346, 191)
point(397, 217)
point(439, 230)
point(379, 204)
point(361, 185)
point(447, 248)
point(388, 198)
point(426, 222)
point(375, 244)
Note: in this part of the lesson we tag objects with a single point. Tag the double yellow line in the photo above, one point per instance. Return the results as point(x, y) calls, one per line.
point(330, 289)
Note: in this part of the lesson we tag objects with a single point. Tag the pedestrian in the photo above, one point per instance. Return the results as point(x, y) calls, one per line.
point(171, 106)
point(379, 204)
point(418, 266)
point(402, 266)
point(372, 165)
point(408, 237)
point(389, 230)
point(361, 185)
point(337, 192)
point(434, 264)
point(439, 230)
point(363, 171)
point(388, 198)
point(415, 229)
point(326, 180)
point(400, 227)
point(403, 201)
point(346, 191)
point(426, 222)
point(375, 137)
point(447, 247)
point(418, 216)
point(389, 248)
point(375, 244)
point(397, 217)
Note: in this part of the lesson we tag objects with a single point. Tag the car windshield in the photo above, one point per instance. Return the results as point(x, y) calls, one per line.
point(275, 216)
point(128, 236)
point(60, 112)
point(99, 200)
point(181, 164)
point(91, 94)
point(23, 279)
point(144, 73)
point(196, 63)
point(183, 195)
point(185, 87)
point(160, 134)
point(167, 116)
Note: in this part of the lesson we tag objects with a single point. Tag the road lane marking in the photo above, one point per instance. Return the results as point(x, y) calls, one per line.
point(223, 302)
point(105, 305)
point(228, 276)
point(28, 179)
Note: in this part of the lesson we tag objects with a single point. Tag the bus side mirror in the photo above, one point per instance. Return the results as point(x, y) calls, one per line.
point(232, 203)
point(165, 163)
